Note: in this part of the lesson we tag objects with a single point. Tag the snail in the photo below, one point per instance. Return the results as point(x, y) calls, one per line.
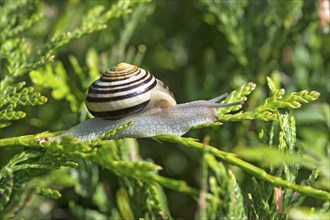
point(128, 93)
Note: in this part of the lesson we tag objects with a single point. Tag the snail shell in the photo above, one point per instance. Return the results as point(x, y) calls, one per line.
point(125, 90)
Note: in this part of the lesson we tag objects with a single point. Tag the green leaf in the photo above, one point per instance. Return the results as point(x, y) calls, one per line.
point(237, 95)
point(275, 157)
point(236, 204)
point(124, 204)
point(50, 193)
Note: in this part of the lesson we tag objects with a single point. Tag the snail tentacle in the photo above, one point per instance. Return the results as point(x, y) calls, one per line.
point(218, 98)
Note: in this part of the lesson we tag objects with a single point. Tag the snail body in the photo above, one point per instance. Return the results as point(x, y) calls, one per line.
point(127, 93)
point(176, 120)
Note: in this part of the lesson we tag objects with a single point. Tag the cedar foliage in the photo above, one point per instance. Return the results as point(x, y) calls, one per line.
point(267, 160)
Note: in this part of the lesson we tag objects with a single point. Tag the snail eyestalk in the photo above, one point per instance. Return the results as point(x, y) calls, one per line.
point(222, 105)
point(218, 98)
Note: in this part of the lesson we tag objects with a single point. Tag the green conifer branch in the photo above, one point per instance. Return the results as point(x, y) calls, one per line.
point(264, 43)
point(11, 13)
point(72, 149)
point(95, 20)
point(190, 143)
point(267, 111)
point(238, 95)
point(253, 170)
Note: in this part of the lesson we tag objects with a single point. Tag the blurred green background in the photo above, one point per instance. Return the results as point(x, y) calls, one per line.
point(201, 49)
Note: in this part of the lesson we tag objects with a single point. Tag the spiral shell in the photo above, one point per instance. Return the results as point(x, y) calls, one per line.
point(125, 90)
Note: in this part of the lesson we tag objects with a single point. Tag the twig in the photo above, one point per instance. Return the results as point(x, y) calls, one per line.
point(253, 170)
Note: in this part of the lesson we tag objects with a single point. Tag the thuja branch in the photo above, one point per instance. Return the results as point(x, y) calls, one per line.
point(250, 168)
point(26, 140)
point(177, 185)
point(35, 140)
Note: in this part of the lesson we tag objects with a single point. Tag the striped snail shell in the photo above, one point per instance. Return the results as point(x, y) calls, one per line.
point(127, 93)
point(125, 90)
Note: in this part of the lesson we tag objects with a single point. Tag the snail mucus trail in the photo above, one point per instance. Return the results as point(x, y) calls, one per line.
point(128, 93)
